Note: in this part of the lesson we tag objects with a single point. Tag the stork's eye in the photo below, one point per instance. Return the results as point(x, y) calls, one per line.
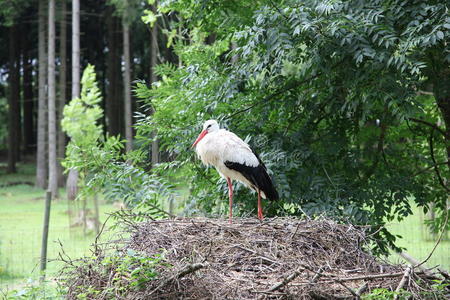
point(208, 126)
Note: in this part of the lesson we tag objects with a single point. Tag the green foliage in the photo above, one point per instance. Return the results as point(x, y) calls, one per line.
point(325, 90)
point(117, 274)
point(35, 291)
point(133, 269)
point(100, 161)
point(439, 291)
point(12, 9)
point(128, 10)
point(80, 121)
point(385, 294)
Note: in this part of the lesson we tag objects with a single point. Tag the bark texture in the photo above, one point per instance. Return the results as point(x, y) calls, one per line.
point(72, 178)
point(75, 48)
point(113, 96)
point(441, 90)
point(14, 123)
point(52, 159)
point(28, 101)
point(127, 86)
point(62, 91)
point(154, 52)
point(41, 156)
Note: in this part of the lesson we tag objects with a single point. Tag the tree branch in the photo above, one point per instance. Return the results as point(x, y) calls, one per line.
point(183, 272)
point(434, 126)
point(403, 281)
point(287, 87)
point(379, 149)
point(285, 281)
point(436, 169)
point(279, 10)
point(429, 168)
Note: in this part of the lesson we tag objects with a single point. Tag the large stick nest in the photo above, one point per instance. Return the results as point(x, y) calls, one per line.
point(281, 258)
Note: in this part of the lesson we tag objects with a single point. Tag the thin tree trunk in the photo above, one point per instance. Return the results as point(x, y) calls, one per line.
point(62, 90)
point(153, 78)
point(97, 214)
point(41, 157)
point(52, 159)
point(443, 102)
point(112, 105)
point(75, 49)
point(441, 90)
point(72, 178)
point(127, 86)
point(13, 100)
point(28, 102)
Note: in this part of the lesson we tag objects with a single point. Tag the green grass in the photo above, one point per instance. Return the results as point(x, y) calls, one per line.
point(21, 215)
point(419, 242)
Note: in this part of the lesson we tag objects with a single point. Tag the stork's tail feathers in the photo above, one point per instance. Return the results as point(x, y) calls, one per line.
point(265, 184)
point(257, 176)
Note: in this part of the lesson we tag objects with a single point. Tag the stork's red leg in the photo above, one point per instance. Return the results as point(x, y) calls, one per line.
point(260, 213)
point(230, 195)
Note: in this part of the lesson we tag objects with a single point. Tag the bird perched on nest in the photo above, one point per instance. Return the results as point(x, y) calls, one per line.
point(234, 160)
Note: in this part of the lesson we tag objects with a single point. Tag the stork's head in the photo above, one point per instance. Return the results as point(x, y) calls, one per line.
point(208, 126)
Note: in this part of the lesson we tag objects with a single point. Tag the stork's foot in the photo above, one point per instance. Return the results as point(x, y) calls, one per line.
point(260, 215)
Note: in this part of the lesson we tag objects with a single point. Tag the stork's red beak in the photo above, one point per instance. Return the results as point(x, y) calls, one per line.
point(200, 136)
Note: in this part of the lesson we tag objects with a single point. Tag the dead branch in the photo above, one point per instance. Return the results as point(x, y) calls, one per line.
point(362, 289)
point(403, 281)
point(191, 268)
point(284, 282)
point(376, 276)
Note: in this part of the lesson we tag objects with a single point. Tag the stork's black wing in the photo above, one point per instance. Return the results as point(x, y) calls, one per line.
point(257, 176)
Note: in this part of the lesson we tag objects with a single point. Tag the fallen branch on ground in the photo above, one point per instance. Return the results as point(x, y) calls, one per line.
point(183, 272)
point(403, 281)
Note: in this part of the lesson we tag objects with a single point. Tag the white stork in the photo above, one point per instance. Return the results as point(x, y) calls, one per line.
point(234, 160)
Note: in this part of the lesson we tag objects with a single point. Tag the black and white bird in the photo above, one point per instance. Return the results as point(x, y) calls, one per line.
point(234, 160)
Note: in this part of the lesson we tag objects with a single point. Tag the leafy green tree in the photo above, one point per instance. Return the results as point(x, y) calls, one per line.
point(346, 100)
point(99, 160)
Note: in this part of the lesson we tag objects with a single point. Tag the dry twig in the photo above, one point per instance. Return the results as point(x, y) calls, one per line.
point(403, 281)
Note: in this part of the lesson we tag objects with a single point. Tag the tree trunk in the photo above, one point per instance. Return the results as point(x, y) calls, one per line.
point(52, 159)
point(13, 100)
point(75, 49)
point(62, 91)
point(154, 51)
point(28, 102)
point(41, 156)
point(441, 90)
point(127, 86)
point(113, 105)
point(444, 105)
point(72, 178)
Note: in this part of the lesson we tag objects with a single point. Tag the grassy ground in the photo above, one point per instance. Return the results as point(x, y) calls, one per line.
point(419, 242)
point(21, 219)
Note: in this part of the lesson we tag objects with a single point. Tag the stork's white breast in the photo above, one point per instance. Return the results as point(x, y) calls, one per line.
point(220, 146)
